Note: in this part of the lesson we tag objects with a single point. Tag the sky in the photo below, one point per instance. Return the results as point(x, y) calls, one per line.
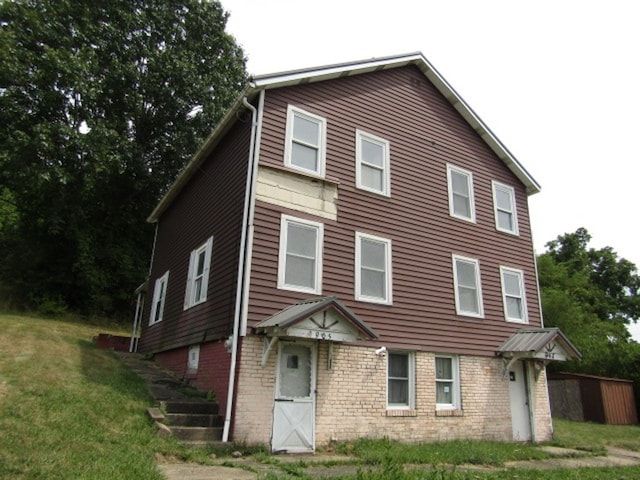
point(557, 81)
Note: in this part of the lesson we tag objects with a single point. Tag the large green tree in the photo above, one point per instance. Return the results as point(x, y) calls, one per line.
point(101, 105)
point(592, 295)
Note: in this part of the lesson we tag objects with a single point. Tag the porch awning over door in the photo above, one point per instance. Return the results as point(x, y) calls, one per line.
point(324, 318)
point(546, 344)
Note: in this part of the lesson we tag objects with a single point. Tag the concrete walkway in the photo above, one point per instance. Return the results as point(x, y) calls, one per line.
point(316, 465)
point(162, 385)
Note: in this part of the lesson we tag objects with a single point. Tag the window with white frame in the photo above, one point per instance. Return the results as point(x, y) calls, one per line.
point(159, 294)
point(447, 382)
point(468, 293)
point(400, 380)
point(373, 269)
point(515, 306)
point(198, 276)
point(461, 204)
point(300, 259)
point(305, 141)
point(504, 203)
point(372, 163)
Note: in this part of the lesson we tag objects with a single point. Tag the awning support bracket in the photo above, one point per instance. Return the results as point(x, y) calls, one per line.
point(266, 348)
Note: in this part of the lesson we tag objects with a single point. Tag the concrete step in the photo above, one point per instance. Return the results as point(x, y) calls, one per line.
point(197, 434)
point(193, 420)
point(189, 406)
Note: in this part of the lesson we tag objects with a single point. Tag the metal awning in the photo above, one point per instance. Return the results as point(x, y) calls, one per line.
point(324, 318)
point(541, 344)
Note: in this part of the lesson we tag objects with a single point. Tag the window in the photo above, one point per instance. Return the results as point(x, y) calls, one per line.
point(372, 163)
point(468, 294)
point(159, 294)
point(373, 269)
point(461, 193)
point(400, 383)
point(305, 141)
point(198, 277)
point(447, 383)
point(504, 203)
point(515, 308)
point(193, 358)
point(300, 262)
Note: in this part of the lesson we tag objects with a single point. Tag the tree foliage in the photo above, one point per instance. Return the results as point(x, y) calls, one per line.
point(101, 105)
point(592, 295)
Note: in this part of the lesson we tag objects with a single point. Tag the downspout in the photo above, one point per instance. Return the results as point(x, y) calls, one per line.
point(241, 271)
point(250, 226)
point(137, 319)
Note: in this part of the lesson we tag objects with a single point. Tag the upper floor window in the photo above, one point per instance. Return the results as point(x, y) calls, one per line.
point(400, 380)
point(305, 141)
point(300, 260)
point(515, 307)
point(504, 203)
point(461, 204)
point(373, 269)
point(198, 277)
point(159, 294)
point(447, 382)
point(468, 294)
point(372, 163)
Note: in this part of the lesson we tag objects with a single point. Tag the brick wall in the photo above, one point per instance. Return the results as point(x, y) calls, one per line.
point(212, 373)
point(351, 399)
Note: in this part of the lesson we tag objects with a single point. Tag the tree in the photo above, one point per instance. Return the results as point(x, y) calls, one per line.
point(592, 295)
point(102, 104)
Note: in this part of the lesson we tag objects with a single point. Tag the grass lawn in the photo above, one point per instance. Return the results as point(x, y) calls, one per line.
point(71, 411)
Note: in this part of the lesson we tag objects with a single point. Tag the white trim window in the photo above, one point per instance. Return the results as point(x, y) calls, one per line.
point(468, 291)
point(400, 380)
point(159, 294)
point(198, 276)
point(461, 203)
point(447, 382)
point(372, 163)
point(305, 141)
point(515, 305)
point(373, 269)
point(504, 203)
point(300, 256)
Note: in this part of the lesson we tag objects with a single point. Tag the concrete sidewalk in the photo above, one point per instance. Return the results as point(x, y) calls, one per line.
point(316, 465)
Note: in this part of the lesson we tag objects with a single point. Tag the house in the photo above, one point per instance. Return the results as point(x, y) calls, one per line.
point(349, 254)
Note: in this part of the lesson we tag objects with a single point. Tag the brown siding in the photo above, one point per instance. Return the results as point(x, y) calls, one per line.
point(619, 403)
point(211, 205)
point(425, 133)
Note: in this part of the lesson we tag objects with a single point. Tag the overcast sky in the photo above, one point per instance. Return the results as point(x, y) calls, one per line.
point(557, 81)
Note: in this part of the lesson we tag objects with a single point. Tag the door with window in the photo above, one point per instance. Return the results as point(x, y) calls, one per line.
point(294, 404)
point(519, 396)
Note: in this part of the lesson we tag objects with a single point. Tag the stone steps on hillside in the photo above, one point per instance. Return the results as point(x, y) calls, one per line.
point(194, 422)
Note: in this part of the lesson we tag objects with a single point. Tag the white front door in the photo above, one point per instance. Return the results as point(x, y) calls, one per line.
point(519, 395)
point(294, 404)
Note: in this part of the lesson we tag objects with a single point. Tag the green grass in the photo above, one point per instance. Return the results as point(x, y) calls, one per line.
point(594, 437)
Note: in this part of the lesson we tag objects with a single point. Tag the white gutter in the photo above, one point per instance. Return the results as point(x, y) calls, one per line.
point(241, 271)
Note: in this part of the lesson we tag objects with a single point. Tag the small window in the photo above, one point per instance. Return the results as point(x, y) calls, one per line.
point(504, 202)
point(468, 294)
point(515, 307)
point(198, 277)
point(400, 380)
point(461, 203)
point(300, 262)
point(373, 269)
point(372, 163)
point(305, 141)
point(159, 294)
point(193, 359)
point(447, 383)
